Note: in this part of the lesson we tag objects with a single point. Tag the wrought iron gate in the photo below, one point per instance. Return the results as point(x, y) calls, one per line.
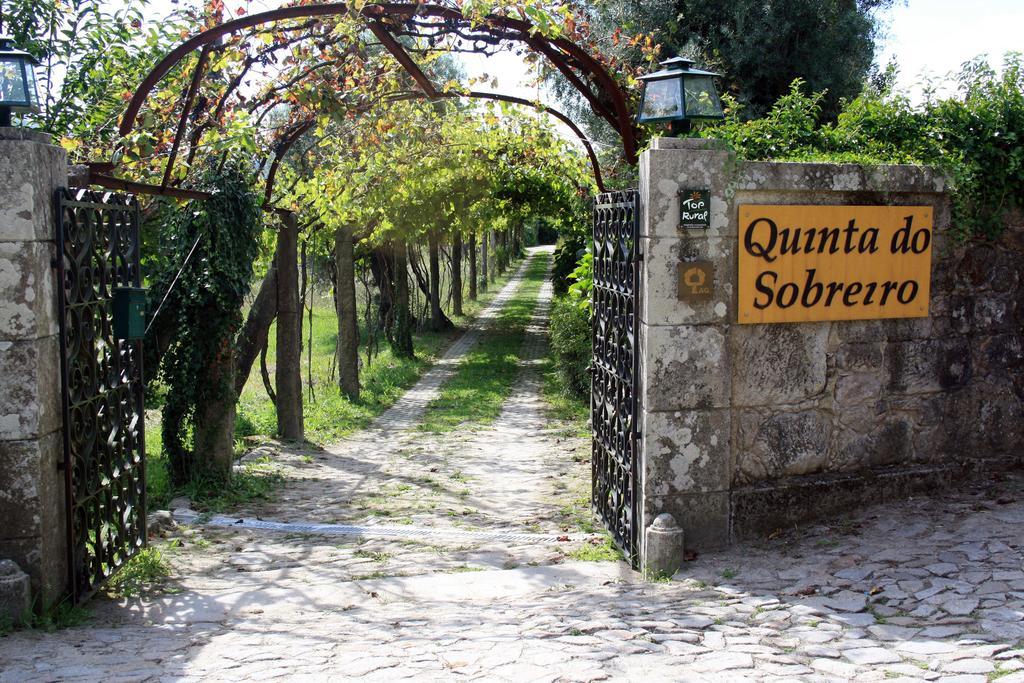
point(101, 385)
point(614, 401)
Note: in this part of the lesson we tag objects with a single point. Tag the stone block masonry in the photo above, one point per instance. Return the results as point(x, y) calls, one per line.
point(750, 428)
point(32, 516)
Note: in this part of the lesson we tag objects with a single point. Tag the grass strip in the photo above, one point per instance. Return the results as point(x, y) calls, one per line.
point(560, 403)
point(474, 395)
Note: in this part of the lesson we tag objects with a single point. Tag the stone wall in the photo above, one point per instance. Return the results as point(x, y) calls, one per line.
point(32, 532)
point(749, 428)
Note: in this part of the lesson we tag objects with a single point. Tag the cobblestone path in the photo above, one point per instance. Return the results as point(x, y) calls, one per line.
point(930, 589)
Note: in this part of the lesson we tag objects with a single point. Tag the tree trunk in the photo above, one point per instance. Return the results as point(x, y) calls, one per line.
point(348, 330)
point(213, 440)
point(401, 342)
point(422, 279)
point(382, 267)
point(495, 260)
point(472, 266)
point(288, 374)
point(457, 274)
point(438, 320)
point(253, 335)
point(503, 243)
point(483, 261)
point(268, 385)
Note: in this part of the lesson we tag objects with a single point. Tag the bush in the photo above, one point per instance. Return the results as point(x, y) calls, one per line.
point(567, 254)
point(582, 287)
point(974, 136)
point(570, 341)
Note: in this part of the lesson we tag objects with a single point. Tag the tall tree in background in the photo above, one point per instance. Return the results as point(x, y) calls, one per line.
point(760, 46)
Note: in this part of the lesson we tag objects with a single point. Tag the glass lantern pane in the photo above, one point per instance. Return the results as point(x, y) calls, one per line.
point(31, 88)
point(662, 100)
point(701, 97)
point(12, 82)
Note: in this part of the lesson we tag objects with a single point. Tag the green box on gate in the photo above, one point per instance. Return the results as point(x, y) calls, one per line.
point(129, 313)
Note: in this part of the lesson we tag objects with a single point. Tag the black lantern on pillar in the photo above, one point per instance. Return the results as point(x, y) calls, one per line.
point(17, 81)
point(679, 94)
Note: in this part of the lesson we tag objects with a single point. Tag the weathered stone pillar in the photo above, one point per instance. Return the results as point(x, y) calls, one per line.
point(32, 532)
point(685, 423)
point(751, 428)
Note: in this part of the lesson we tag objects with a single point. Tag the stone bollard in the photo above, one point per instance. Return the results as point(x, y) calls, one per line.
point(15, 593)
point(664, 541)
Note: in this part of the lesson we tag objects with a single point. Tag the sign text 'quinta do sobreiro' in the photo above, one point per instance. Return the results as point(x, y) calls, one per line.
point(806, 263)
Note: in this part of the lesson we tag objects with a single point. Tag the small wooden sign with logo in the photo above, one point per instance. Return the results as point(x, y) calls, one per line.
point(694, 209)
point(696, 280)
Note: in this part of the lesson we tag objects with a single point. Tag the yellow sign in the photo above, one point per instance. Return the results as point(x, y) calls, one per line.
point(801, 263)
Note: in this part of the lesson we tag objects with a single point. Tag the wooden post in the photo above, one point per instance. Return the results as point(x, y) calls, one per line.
point(456, 274)
point(472, 266)
point(402, 342)
point(288, 374)
point(348, 330)
point(437, 318)
point(483, 262)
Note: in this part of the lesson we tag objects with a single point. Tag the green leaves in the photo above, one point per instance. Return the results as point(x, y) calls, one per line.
point(412, 168)
point(973, 136)
point(91, 59)
point(202, 313)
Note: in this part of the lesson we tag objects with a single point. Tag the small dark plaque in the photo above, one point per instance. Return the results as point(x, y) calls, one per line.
point(696, 280)
point(694, 209)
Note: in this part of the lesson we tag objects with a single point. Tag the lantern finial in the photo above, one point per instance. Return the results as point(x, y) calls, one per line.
point(17, 81)
point(678, 94)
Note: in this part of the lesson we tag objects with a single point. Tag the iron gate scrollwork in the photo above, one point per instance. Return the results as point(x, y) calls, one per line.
point(614, 401)
point(101, 385)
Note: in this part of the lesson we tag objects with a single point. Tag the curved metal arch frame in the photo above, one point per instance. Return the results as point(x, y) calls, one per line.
point(376, 16)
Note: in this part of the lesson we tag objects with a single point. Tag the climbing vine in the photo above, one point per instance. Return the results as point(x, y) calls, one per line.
point(202, 309)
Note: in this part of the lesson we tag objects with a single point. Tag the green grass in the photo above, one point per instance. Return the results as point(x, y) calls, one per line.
point(606, 551)
point(54, 618)
point(562, 404)
point(256, 481)
point(381, 557)
point(474, 395)
point(658, 576)
point(577, 513)
point(329, 416)
point(144, 571)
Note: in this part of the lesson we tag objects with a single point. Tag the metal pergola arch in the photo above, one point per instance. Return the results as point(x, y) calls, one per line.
point(384, 20)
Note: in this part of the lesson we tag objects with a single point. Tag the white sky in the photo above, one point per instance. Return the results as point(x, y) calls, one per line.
point(934, 37)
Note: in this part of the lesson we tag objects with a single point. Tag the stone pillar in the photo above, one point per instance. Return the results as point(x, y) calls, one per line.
point(751, 428)
point(685, 362)
point(32, 533)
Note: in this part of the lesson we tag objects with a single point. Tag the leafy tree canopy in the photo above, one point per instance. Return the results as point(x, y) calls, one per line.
point(759, 46)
